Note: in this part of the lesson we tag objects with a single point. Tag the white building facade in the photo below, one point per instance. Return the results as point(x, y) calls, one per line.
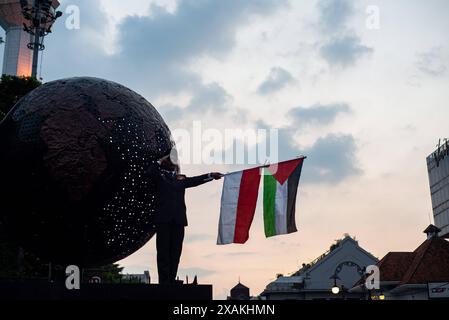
point(343, 267)
point(17, 58)
point(438, 169)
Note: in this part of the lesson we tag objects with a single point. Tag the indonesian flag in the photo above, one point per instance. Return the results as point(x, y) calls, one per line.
point(279, 197)
point(238, 204)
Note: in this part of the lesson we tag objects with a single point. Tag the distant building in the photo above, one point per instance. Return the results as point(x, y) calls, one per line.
point(240, 292)
point(438, 169)
point(137, 278)
point(17, 58)
point(341, 266)
point(419, 275)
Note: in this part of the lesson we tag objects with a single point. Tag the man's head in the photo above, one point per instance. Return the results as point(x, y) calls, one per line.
point(170, 161)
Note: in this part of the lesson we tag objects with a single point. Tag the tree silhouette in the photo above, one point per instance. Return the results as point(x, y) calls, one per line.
point(13, 88)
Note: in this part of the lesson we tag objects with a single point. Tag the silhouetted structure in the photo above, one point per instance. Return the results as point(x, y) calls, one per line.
point(73, 153)
point(240, 292)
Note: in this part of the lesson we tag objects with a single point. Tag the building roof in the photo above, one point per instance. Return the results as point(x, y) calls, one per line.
point(432, 229)
point(346, 254)
point(394, 265)
point(240, 286)
point(334, 251)
point(285, 284)
point(428, 263)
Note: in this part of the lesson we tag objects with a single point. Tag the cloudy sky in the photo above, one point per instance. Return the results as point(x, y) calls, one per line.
point(365, 99)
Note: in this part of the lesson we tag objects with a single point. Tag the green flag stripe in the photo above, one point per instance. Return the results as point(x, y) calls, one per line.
point(269, 196)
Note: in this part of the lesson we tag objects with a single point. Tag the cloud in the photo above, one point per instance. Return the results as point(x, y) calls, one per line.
point(334, 14)
point(317, 114)
point(163, 44)
point(433, 62)
point(208, 98)
point(79, 52)
point(276, 80)
point(344, 51)
point(154, 51)
point(331, 159)
point(196, 27)
point(340, 46)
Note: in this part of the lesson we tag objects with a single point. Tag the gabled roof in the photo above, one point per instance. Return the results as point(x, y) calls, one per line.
point(240, 286)
point(338, 249)
point(428, 263)
point(432, 229)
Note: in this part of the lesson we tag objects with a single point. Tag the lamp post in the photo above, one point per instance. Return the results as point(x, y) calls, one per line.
point(335, 289)
point(40, 18)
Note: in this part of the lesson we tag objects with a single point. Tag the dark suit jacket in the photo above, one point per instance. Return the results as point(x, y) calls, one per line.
point(170, 197)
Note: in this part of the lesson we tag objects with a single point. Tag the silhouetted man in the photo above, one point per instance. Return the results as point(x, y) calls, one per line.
point(171, 218)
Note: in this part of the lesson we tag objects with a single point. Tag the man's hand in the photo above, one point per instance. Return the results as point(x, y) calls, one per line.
point(216, 175)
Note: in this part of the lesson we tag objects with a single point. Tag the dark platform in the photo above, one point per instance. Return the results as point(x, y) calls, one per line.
point(142, 292)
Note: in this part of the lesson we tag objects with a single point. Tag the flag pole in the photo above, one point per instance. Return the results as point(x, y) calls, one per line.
point(266, 165)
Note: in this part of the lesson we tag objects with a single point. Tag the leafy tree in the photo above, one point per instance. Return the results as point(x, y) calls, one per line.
point(13, 88)
point(110, 273)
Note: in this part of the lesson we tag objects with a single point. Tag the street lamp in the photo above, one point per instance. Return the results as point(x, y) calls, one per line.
point(335, 289)
point(40, 18)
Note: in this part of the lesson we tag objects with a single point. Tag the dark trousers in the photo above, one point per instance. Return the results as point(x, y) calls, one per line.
point(169, 238)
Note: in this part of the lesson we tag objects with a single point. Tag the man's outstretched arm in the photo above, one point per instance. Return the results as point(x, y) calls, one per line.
point(199, 180)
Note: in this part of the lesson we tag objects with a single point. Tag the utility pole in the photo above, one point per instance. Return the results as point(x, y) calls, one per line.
point(41, 16)
point(36, 46)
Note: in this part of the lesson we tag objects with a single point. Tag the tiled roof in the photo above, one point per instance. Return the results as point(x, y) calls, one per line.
point(394, 265)
point(428, 263)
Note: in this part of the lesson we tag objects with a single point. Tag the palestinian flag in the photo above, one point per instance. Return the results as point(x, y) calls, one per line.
point(238, 204)
point(279, 197)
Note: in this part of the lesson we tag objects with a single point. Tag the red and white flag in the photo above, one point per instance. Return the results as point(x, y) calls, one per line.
point(238, 205)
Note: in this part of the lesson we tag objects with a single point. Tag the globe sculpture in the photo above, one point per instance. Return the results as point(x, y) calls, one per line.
point(73, 157)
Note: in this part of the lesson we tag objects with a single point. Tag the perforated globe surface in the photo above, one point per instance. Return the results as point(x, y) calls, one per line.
point(73, 154)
